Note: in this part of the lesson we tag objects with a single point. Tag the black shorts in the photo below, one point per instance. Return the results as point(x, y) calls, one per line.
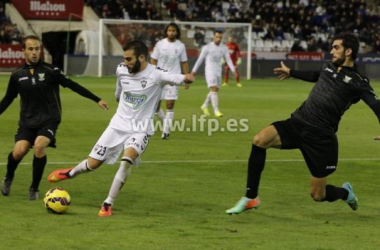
point(319, 149)
point(30, 134)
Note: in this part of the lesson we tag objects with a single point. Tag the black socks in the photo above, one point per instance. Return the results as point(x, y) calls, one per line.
point(335, 193)
point(11, 166)
point(38, 170)
point(256, 165)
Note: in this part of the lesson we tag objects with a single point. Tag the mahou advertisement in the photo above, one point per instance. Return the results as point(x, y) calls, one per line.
point(11, 55)
point(49, 9)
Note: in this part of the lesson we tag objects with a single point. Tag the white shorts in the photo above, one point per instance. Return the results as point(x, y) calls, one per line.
point(213, 80)
point(169, 92)
point(112, 142)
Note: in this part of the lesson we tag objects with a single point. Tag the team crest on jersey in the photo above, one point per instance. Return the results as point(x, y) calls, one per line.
point(347, 79)
point(143, 83)
point(136, 100)
point(41, 77)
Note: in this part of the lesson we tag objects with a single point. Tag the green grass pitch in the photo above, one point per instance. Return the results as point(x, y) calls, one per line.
point(178, 196)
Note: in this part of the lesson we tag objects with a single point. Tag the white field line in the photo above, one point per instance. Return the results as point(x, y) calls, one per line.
point(203, 161)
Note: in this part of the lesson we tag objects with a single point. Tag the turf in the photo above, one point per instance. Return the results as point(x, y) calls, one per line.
point(177, 198)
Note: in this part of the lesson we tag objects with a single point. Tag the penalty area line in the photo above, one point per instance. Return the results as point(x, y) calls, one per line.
point(203, 161)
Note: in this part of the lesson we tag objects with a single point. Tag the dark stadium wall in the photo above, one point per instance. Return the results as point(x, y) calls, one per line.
point(56, 44)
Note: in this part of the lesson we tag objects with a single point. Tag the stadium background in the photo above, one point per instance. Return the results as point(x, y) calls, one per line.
point(177, 198)
point(291, 30)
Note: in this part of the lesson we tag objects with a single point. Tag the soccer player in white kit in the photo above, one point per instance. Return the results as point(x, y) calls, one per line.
point(214, 52)
point(138, 89)
point(169, 54)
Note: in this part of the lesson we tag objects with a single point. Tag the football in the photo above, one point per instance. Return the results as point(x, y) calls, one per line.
point(57, 200)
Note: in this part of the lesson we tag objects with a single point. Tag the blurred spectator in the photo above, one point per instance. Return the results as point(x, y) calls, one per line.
point(126, 14)
point(297, 32)
point(3, 18)
point(276, 49)
point(257, 24)
point(9, 33)
point(172, 8)
point(123, 39)
point(325, 46)
point(106, 13)
point(157, 36)
point(192, 6)
point(199, 37)
point(312, 44)
point(376, 46)
point(300, 18)
point(297, 46)
point(80, 48)
point(365, 35)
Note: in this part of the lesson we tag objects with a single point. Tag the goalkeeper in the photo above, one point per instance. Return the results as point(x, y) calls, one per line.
point(235, 55)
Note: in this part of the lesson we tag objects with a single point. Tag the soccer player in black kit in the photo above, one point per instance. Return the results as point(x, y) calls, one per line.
point(37, 83)
point(312, 127)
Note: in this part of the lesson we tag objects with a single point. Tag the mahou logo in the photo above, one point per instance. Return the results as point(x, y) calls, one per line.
point(38, 6)
point(50, 9)
point(11, 54)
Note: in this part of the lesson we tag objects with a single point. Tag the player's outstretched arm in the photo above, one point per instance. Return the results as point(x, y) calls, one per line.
point(283, 72)
point(103, 104)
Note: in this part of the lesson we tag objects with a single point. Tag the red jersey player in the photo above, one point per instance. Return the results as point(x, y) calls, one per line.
point(234, 49)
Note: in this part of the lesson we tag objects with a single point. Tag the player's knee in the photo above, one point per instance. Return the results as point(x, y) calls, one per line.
point(20, 151)
point(39, 150)
point(19, 154)
point(260, 141)
point(93, 164)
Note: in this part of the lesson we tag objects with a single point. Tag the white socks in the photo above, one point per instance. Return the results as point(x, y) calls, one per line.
point(207, 101)
point(168, 120)
point(161, 114)
point(120, 178)
point(214, 101)
point(80, 168)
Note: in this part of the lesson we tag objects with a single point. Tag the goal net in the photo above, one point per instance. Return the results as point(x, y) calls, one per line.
point(124, 31)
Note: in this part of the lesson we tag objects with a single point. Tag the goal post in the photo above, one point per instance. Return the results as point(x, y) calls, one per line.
point(151, 31)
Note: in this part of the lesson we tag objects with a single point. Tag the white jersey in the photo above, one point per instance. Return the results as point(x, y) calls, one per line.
point(169, 55)
point(214, 54)
point(138, 95)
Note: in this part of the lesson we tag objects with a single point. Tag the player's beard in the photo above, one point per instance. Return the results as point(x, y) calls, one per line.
point(339, 62)
point(136, 68)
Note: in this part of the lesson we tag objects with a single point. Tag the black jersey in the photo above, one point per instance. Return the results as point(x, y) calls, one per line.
point(334, 92)
point(39, 93)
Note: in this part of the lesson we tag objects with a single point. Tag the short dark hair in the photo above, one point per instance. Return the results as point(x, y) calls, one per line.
point(218, 31)
point(32, 37)
point(349, 41)
point(177, 29)
point(139, 48)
